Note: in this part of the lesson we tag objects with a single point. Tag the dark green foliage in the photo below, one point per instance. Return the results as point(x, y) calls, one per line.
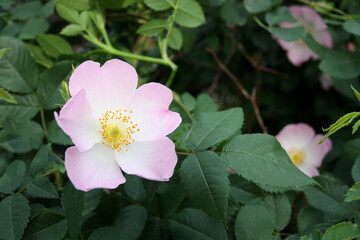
point(73, 204)
point(195, 224)
point(205, 181)
point(14, 215)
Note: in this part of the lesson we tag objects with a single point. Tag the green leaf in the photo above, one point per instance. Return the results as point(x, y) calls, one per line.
point(116, 4)
point(352, 26)
point(279, 210)
point(342, 231)
point(319, 49)
point(73, 204)
point(134, 188)
point(152, 27)
point(71, 30)
point(159, 5)
point(176, 39)
point(268, 165)
point(12, 177)
point(14, 215)
point(288, 34)
point(131, 221)
point(189, 101)
point(340, 123)
point(195, 224)
point(257, 6)
point(5, 95)
point(56, 135)
point(279, 15)
point(67, 13)
point(92, 200)
point(25, 136)
point(18, 68)
point(79, 5)
point(357, 94)
point(27, 10)
point(25, 109)
point(34, 26)
point(204, 103)
point(216, 3)
point(189, 14)
point(353, 194)
point(253, 222)
point(212, 128)
point(6, 4)
point(356, 126)
point(355, 171)
point(106, 233)
point(177, 195)
point(48, 225)
point(48, 9)
point(38, 162)
point(53, 45)
point(3, 51)
point(40, 56)
point(341, 64)
point(308, 218)
point(332, 200)
point(41, 188)
point(50, 81)
point(234, 12)
point(205, 180)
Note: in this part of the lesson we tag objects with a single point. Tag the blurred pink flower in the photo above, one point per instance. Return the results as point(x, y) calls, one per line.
point(115, 127)
point(297, 51)
point(326, 81)
point(350, 47)
point(302, 146)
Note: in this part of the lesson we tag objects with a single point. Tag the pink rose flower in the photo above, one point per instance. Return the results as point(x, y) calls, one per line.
point(350, 47)
point(116, 126)
point(302, 145)
point(297, 51)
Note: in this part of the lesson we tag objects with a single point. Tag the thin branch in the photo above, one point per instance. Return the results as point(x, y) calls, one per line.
point(257, 65)
point(243, 91)
point(227, 61)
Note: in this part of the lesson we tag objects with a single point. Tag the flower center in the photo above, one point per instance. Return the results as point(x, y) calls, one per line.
point(117, 129)
point(297, 156)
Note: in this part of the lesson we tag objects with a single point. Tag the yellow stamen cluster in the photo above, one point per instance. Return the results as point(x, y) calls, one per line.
point(117, 129)
point(297, 156)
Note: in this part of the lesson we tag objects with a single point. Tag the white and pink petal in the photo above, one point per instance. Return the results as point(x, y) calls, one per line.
point(95, 168)
point(150, 106)
point(295, 135)
point(110, 87)
point(153, 160)
point(78, 120)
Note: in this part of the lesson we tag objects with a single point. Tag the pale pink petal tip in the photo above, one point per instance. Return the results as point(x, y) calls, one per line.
point(299, 134)
point(95, 168)
point(76, 119)
point(154, 160)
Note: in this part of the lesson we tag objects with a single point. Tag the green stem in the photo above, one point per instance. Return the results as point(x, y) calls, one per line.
point(112, 50)
point(167, 37)
point(178, 100)
point(43, 120)
point(257, 20)
point(171, 77)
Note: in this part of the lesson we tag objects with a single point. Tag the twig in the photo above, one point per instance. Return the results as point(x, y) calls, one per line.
point(257, 65)
point(227, 61)
point(243, 91)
